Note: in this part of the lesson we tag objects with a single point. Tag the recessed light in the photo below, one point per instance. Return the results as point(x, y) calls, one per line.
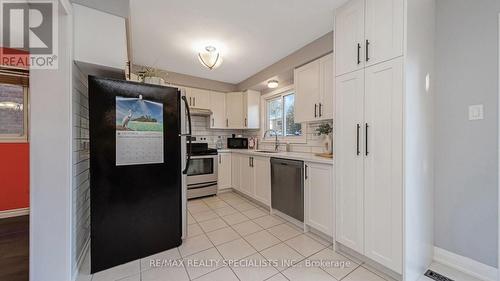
point(272, 84)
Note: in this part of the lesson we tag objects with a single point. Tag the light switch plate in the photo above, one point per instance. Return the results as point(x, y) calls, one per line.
point(476, 112)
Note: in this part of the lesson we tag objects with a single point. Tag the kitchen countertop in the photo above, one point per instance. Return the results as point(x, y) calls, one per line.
point(307, 157)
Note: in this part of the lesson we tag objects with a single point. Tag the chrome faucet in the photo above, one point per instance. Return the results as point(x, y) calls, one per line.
point(276, 142)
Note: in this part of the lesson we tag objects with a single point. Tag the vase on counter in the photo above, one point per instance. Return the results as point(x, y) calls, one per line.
point(328, 143)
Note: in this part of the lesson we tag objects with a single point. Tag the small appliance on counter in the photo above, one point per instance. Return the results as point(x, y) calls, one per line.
point(237, 142)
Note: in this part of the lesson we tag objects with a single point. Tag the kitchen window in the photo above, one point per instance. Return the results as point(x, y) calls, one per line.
point(280, 117)
point(13, 106)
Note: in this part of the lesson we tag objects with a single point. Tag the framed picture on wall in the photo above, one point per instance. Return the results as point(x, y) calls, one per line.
point(13, 107)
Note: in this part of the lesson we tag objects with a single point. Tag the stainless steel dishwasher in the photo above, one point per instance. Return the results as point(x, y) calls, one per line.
point(287, 187)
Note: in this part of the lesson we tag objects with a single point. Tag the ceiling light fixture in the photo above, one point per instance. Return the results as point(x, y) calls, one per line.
point(272, 84)
point(210, 58)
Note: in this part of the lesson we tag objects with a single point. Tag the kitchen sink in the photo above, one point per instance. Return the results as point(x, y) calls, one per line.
point(267, 151)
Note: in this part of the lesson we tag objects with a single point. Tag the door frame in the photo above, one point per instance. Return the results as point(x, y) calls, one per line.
point(498, 152)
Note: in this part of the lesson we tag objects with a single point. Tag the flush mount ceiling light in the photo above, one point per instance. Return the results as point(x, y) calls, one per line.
point(272, 84)
point(210, 58)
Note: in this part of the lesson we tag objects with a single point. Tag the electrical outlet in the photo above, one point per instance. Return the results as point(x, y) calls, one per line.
point(476, 112)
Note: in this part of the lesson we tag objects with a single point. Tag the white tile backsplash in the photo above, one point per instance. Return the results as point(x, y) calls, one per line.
point(202, 132)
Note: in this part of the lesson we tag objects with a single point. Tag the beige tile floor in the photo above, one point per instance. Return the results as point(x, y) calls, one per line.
point(230, 238)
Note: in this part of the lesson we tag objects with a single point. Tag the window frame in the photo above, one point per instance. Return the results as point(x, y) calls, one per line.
point(280, 93)
point(13, 138)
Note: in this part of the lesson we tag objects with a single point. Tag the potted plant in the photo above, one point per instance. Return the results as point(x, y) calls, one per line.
point(326, 130)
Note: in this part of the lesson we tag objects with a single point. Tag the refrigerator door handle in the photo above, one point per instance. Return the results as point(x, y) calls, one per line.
point(188, 135)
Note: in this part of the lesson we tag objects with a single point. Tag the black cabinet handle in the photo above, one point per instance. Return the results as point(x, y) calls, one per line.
point(306, 175)
point(359, 53)
point(213, 122)
point(357, 139)
point(320, 111)
point(315, 110)
point(220, 161)
point(367, 50)
point(366, 139)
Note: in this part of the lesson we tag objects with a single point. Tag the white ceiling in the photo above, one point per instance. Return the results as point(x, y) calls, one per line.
point(251, 34)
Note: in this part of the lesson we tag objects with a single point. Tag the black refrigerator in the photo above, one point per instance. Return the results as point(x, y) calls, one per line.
point(136, 166)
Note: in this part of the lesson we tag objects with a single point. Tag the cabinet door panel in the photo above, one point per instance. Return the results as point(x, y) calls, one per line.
point(218, 108)
point(349, 160)
point(349, 33)
point(234, 110)
point(383, 164)
point(327, 87)
point(252, 109)
point(246, 176)
point(307, 89)
point(262, 179)
point(224, 171)
point(235, 171)
point(384, 30)
point(319, 197)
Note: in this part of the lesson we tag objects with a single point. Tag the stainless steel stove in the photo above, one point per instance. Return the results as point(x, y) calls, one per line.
point(202, 171)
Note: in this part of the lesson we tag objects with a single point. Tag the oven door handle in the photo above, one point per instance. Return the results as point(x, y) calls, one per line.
point(188, 135)
point(202, 186)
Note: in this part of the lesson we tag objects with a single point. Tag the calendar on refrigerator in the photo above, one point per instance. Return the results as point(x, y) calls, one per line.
point(139, 131)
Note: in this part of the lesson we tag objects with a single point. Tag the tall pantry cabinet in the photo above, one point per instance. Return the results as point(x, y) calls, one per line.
point(370, 116)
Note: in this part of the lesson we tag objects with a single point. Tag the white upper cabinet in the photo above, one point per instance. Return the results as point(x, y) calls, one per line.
point(383, 168)
point(327, 87)
point(251, 109)
point(198, 98)
point(234, 110)
point(307, 87)
point(383, 30)
point(350, 37)
point(99, 38)
point(368, 32)
point(218, 108)
point(319, 197)
point(314, 90)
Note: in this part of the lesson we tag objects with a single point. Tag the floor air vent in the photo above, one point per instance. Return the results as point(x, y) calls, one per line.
point(436, 276)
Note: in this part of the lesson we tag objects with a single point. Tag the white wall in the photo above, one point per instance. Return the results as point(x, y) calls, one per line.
point(466, 220)
point(419, 191)
point(50, 164)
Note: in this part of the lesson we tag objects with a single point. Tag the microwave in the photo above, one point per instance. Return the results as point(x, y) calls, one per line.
point(237, 143)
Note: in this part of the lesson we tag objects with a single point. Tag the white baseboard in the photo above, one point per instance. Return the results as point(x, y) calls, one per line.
point(466, 265)
point(14, 213)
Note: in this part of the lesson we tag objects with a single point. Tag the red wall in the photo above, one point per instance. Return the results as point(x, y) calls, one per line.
point(14, 176)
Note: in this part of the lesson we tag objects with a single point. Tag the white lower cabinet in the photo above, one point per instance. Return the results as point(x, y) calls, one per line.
point(319, 197)
point(224, 180)
point(262, 179)
point(246, 175)
point(369, 160)
point(235, 171)
point(251, 175)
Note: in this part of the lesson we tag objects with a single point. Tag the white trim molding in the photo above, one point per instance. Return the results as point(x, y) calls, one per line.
point(14, 213)
point(465, 265)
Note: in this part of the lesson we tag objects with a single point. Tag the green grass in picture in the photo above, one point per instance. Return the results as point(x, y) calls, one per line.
point(145, 126)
